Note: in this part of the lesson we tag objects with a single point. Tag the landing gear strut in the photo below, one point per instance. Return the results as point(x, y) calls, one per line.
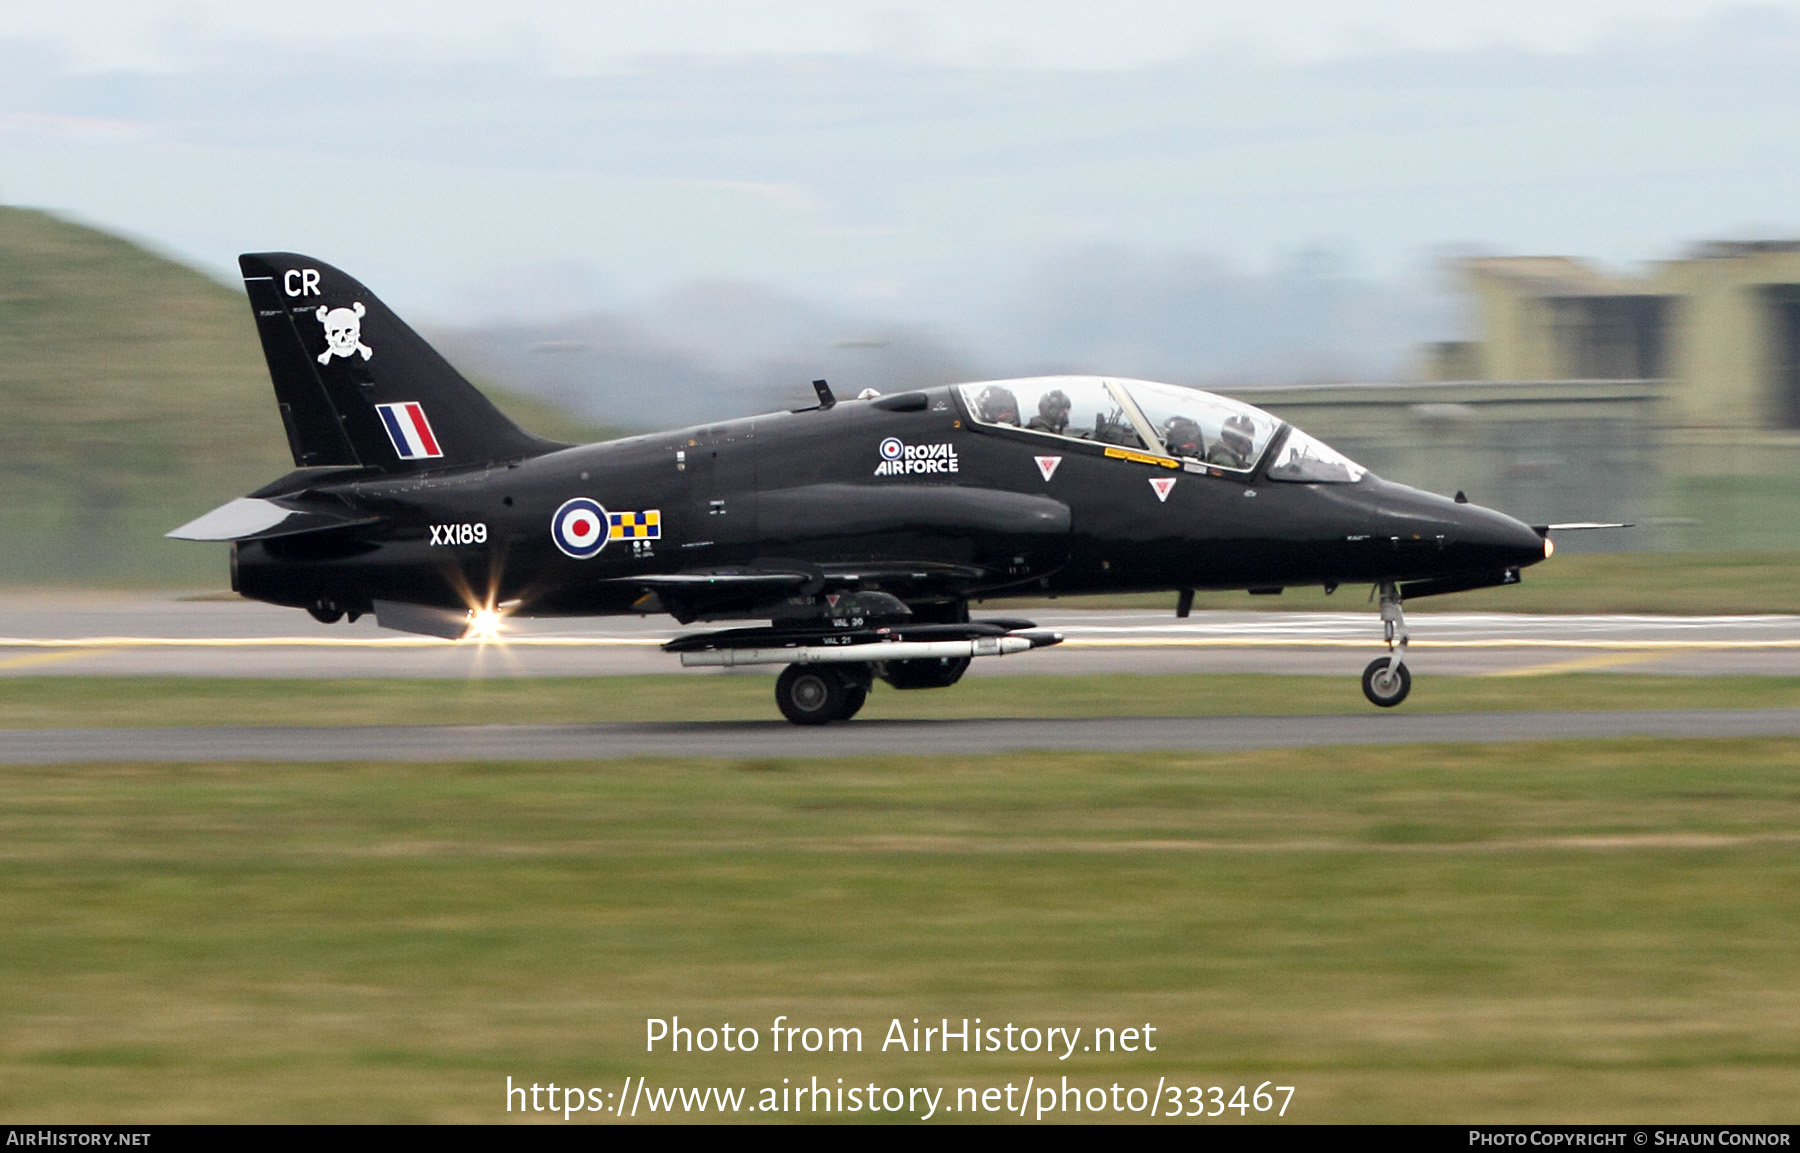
point(1386, 682)
point(820, 694)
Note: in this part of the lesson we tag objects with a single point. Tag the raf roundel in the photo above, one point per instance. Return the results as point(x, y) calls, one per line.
point(891, 448)
point(579, 528)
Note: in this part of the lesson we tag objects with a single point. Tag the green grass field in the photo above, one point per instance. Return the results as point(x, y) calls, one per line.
point(1582, 931)
point(83, 702)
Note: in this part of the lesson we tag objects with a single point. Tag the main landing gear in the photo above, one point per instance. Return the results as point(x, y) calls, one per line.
point(829, 674)
point(822, 693)
point(1386, 682)
point(330, 612)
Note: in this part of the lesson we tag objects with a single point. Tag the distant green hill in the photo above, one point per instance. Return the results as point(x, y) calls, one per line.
point(133, 397)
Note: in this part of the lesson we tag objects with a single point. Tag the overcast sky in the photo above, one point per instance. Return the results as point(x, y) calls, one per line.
point(579, 36)
point(922, 158)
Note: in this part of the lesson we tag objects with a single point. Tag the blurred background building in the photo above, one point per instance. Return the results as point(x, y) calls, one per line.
point(1671, 399)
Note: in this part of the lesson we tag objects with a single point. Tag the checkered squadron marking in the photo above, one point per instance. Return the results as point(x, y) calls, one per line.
point(645, 525)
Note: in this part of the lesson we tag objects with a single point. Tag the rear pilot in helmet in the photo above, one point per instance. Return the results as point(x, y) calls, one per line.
point(997, 405)
point(1182, 437)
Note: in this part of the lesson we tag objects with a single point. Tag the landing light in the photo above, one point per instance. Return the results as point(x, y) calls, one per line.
point(1549, 548)
point(484, 624)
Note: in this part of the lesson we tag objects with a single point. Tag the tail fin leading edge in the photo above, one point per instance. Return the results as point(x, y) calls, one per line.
point(357, 386)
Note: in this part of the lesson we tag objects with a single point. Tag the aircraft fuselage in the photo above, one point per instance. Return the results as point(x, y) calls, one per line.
point(977, 511)
point(860, 531)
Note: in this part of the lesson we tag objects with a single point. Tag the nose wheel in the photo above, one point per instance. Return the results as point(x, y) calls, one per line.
point(1386, 681)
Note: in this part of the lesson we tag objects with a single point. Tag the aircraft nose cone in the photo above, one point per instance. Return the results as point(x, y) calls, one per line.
point(1473, 537)
point(1498, 538)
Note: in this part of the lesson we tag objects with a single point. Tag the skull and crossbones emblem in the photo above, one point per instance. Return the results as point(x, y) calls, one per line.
point(343, 332)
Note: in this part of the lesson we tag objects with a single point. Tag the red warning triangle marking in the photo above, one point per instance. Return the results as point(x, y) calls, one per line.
point(1047, 465)
point(1162, 485)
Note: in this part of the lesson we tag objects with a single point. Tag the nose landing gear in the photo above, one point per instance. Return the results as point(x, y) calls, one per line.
point(1386, 682)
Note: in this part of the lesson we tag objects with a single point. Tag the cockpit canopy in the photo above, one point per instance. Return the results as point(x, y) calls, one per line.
point(1185, 423)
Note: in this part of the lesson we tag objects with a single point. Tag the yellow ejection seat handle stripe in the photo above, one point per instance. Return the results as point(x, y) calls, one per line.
point(1141, 457)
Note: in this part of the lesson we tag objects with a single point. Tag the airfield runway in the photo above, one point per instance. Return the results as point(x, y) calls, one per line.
point(223, 636)
point(226, 637)
point(229, 637)
point(767, 739)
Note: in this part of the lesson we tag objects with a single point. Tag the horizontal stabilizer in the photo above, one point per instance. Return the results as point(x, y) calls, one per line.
point(253, 518)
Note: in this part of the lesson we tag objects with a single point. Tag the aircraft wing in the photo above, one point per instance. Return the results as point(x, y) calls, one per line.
point(794, 516)
point(687, 595)
point(721, 580)
point(776, 578)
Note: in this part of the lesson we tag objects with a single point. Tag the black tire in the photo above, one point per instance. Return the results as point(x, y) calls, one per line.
point(854, 696)
point(325, 612)
point(1383, 689)
point(810, 695)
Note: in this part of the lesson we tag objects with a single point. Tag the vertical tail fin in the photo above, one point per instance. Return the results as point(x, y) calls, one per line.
point(357, 386)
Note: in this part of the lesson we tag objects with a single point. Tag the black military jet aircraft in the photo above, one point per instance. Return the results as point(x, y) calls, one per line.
point(859, 530)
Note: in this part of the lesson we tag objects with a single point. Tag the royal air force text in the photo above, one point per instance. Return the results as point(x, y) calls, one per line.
point(916, 458)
